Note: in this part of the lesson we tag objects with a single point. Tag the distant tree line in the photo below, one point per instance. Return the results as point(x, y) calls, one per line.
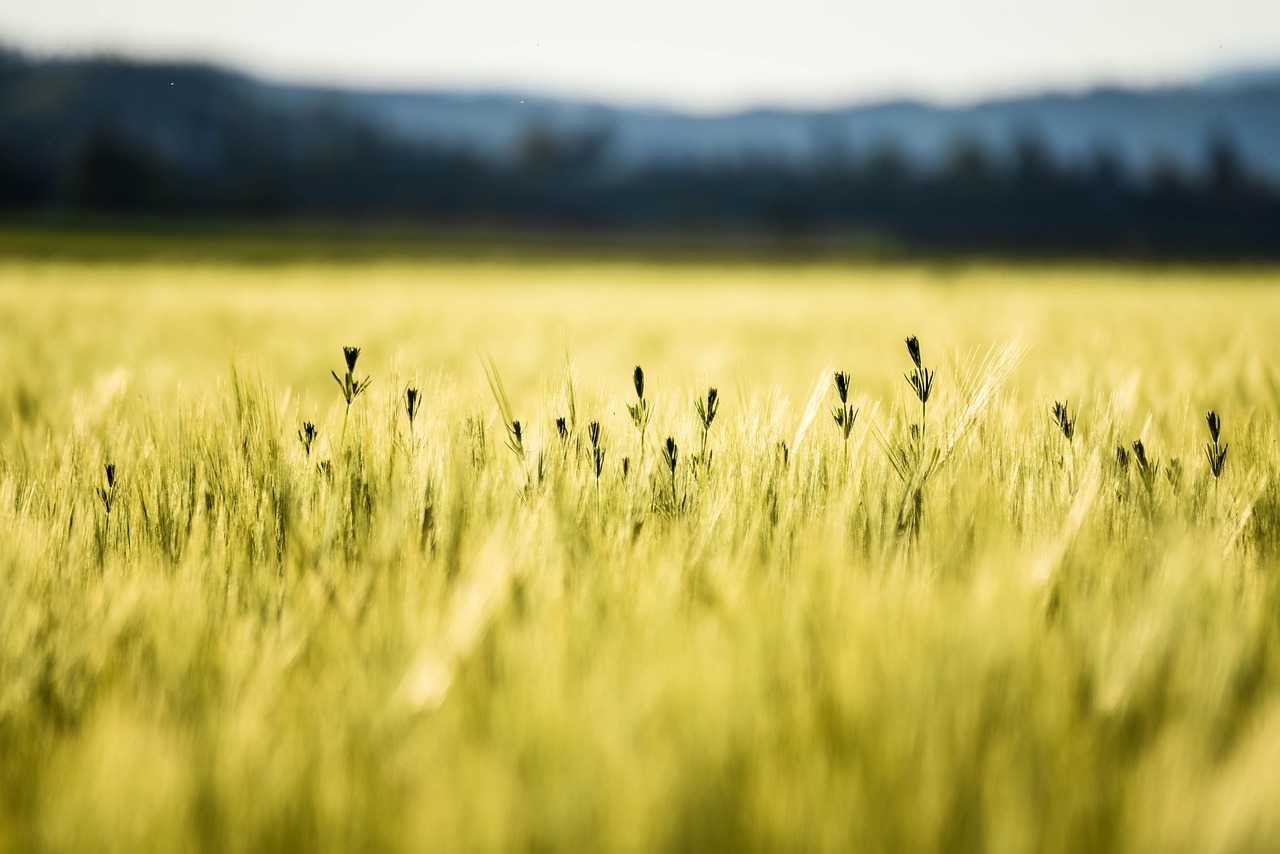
point(976, 198)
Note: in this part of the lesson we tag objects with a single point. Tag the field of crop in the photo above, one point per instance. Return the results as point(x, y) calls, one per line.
point(958, 625)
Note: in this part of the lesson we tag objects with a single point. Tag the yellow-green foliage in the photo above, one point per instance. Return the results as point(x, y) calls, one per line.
point(988, 639)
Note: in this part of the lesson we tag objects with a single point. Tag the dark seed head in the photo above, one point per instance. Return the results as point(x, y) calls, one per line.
point(1215, 424)
point(913, 349)
point(593, 433)
point(638, 377)
point(350, 354)
point(307, 436)
point(111, 475)
point(562, 429)
point(412, 400)
point(1062, 417)
point(1140, 453)
point(842, 386)
point(707, 411)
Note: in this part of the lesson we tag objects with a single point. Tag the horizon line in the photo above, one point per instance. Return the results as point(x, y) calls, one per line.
point(1191, 79)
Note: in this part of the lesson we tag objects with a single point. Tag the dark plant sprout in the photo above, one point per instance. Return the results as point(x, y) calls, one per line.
point(1214, 451)
point(706, 415)
point(1140, 454)
point(640, 411)
point(707, 411)
point(107, 491)
point(597, 455)
point(307, 436)
point(1215, 425)
point(351, 386)
point(412, 403)
point(1147, 468)
point(107, 495)
point(1064, 420)
point(920, 379)
point(844, 413)
point(841, 382)
point(671, 457)
point(597, 452)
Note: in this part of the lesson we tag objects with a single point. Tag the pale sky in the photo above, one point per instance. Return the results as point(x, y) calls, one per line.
point(696, 54)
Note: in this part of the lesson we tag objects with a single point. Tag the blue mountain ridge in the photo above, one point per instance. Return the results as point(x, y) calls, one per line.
point(187, 109)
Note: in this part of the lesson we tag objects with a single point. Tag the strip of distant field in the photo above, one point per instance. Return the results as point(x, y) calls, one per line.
point(218, 241)
point(222, 241)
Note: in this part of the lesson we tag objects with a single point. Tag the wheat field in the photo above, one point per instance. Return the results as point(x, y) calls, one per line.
point(975, 634)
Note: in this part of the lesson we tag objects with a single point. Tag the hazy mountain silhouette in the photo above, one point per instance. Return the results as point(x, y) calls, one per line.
point(191, 113)
point(1137, 126)
point(1188, 170)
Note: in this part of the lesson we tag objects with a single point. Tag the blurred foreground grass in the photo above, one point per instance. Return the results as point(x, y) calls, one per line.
point(419, 640)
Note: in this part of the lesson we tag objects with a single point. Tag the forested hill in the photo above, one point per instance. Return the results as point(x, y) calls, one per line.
point(1182, 167)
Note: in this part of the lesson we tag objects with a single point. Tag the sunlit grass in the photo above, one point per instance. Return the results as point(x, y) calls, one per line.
point(516, 593)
